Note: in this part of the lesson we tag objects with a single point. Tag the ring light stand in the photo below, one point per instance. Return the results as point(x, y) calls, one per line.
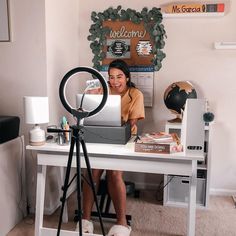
point(77, 138)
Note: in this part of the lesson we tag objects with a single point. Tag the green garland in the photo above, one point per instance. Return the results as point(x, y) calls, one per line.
point(152, 22)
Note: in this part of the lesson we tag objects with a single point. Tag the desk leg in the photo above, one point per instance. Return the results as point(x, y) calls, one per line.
point(192, 200)
point(40, 194)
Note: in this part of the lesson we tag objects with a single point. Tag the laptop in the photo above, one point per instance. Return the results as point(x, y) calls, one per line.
point(110, 115)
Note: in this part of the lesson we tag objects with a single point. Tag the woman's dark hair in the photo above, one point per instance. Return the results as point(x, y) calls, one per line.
point(122, 65)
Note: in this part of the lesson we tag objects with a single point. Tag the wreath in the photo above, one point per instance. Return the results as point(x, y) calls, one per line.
point(152, 20)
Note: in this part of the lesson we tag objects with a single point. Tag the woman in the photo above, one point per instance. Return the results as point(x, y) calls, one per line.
point(132, 111)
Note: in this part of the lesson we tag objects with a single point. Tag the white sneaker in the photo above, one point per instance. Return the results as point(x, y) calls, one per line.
point(87, 226)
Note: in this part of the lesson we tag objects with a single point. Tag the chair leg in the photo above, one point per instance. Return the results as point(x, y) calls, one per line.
point(108, 204)
point(102, 201)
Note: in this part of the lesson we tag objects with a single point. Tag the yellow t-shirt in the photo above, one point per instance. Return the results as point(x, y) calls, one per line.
point(132, 106)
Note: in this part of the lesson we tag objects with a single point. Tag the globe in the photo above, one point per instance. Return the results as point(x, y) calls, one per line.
point(175, 97)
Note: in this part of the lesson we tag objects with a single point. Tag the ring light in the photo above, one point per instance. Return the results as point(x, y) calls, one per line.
point(78, 113)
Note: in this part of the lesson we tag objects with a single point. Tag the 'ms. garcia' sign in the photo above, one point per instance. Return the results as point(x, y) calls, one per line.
point(193, 8)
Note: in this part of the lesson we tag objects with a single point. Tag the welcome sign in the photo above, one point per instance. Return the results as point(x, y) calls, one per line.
point(128, 41)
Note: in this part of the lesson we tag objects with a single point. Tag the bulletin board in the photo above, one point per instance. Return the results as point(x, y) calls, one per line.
point(128, 41)
point(135, 37)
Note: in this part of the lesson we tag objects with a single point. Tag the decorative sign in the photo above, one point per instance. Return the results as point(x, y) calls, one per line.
point(136, 37)
point(123, 33)
point(144, 48)
point(128, 41)
point(118, 48)
point(193, 8)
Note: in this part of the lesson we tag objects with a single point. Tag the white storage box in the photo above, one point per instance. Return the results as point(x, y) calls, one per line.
point(178, 190)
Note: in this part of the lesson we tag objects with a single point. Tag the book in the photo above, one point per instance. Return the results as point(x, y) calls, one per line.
point(157, 142)
point(217, 7)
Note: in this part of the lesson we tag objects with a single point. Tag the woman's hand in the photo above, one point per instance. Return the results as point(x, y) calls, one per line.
point(94, 91)
point(133, 124)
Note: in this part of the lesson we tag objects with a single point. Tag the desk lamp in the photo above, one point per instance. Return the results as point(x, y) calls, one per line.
point(36, 112)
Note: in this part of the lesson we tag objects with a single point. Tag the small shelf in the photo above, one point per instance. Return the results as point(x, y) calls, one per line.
point(176, 192)
point(192, 15)
point(225, 45)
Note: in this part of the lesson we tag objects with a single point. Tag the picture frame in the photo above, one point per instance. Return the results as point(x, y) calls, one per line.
point(4, 21)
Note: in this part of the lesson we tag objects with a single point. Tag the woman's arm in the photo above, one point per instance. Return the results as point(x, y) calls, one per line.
point(133, 122)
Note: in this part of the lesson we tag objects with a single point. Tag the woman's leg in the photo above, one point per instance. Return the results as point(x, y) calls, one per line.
point(88, 198)
point(117, 191)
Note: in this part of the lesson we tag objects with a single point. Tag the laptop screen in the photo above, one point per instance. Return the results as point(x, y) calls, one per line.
point(110, 115)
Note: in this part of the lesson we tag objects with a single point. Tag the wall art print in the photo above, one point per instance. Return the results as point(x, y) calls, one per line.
point(4, 21)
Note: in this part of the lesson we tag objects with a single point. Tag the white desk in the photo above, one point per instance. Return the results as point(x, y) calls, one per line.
point(115, 157)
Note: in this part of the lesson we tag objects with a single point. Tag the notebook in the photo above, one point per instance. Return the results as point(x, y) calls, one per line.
point(110, 115)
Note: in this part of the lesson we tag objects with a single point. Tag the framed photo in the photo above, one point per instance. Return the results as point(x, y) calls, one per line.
point(4, 21)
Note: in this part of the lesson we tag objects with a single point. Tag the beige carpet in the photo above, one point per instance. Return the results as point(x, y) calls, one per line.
point(150, 218)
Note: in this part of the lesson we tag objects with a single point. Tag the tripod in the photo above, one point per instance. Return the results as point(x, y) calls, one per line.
point(77, 138)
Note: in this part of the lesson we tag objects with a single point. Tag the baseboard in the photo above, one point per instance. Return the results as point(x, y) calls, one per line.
point(222, 192)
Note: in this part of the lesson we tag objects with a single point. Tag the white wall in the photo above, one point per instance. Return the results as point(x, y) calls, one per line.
point(44, 47)
point(23, 66)
point(190, 56)
point(22, 61)
point(62, 49)
point(62, 29)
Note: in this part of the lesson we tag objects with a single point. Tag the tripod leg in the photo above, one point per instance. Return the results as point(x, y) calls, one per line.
point(65, 187)
point(78, 183)
point(92, 184)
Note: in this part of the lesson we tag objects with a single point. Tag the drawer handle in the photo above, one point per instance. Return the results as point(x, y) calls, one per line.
point(185, 181)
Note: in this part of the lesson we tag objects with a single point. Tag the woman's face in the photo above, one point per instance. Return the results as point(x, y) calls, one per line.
point(117, 80)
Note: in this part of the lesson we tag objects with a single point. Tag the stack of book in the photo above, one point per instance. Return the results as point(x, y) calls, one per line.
point(157, 142)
